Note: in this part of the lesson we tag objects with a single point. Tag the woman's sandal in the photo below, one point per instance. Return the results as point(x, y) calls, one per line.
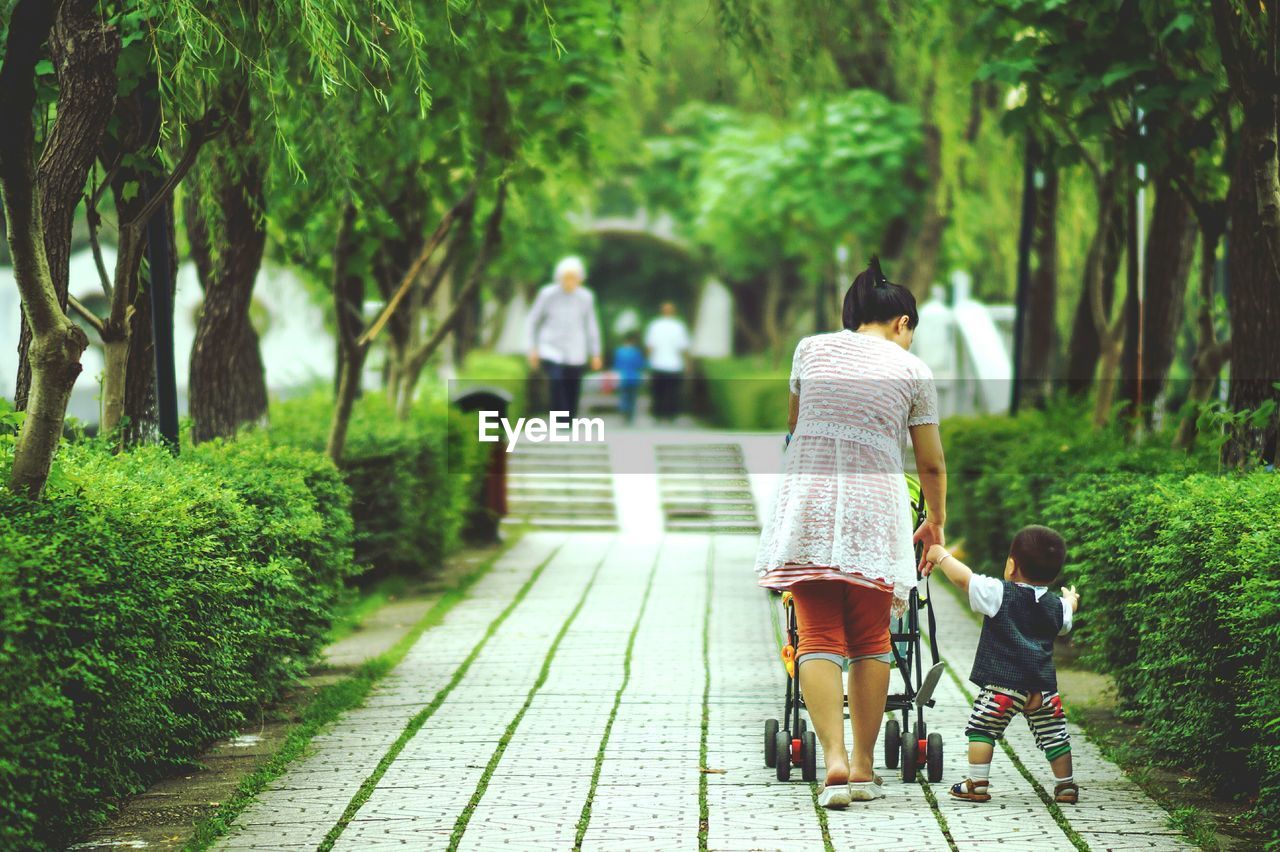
point(970, 791)
point(835, 796)
point(867, 791)
point(1068, 792)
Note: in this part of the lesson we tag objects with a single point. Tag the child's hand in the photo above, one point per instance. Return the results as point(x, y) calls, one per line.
point(1071, 597)
point(936, 554)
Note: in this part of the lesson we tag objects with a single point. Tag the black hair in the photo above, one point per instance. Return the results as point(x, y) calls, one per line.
point(1039, 553)
point(872, 298)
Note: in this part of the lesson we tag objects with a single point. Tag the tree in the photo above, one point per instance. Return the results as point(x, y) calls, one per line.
point(1248, 35)
point(56, 343)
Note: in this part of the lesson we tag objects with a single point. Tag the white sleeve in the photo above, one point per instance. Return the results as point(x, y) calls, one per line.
point(985, 594)
point(649, 336)
point(1067, 619)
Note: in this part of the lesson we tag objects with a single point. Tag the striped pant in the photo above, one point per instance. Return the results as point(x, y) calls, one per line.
point(995, 706)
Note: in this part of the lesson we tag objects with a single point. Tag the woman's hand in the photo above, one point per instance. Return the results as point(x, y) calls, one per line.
point(928, 535)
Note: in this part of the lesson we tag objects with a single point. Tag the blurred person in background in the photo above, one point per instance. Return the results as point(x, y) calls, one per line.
point(563, 334)
point(667, 339)
point(628, 361)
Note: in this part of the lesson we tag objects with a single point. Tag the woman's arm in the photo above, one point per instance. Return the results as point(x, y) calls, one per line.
point(793, 413)
point(931, 467)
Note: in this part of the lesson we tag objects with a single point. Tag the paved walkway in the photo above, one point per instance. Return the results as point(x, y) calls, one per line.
point(607, 690)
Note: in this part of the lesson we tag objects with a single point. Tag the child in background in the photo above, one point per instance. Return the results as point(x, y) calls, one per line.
point(628, 361)
point(1014, 664)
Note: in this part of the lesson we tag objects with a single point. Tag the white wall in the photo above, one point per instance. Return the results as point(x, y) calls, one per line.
point(297, 349)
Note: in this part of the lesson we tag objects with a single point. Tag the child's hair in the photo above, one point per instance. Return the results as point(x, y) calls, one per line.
point(631, 338)
point(1039, 553)
point(872, 298)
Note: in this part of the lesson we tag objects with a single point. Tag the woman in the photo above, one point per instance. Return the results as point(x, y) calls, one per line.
point(840, 537)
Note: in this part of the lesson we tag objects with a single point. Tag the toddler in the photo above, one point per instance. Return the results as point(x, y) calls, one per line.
point(1013, 668)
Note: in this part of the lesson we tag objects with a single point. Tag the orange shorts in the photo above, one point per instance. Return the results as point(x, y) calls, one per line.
point(841, 621)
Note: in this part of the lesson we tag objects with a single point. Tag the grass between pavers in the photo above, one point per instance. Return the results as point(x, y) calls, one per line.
point(332, 701)
point(419, 719)
point(704, 811)
point(585, 819)
point(464, 818)
point(937, 813)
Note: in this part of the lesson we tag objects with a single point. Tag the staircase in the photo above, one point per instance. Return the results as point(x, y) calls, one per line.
point(704, 488)
point(560, 486)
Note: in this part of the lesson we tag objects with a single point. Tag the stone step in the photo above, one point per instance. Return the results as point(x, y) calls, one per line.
point(565, 510)
point(583, 524)
point(705, 526)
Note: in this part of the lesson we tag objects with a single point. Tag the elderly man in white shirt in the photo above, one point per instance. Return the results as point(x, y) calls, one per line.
point(667, 339)
point(563, 332)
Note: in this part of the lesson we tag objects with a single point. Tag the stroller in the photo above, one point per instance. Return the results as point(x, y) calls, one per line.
point(790, 743)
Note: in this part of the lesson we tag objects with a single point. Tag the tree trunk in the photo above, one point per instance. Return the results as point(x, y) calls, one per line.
point(1040, 326)
point(921, 259)
point(141, 415)
point(57, 343)
point(348, 303)
point(84, 51)
point(227, 383)
point(1211, 354)
point(470, 288)
point(1253, 299)
point(1169, 251)
point(1101, 264)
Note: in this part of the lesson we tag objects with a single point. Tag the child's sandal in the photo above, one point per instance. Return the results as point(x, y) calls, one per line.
point(970, 791)
point(1067, 793)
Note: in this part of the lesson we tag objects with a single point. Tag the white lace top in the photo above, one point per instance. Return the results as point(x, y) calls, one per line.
point(842, 509)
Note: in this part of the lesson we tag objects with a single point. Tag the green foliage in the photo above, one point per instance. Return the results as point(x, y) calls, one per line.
point(488, 369)
point(768, 192)
point(149, 604)
point(746, 393)
point(1177, 569)
point(410, 479)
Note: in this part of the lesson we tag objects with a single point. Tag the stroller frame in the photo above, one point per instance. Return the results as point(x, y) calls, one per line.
point(790, 743)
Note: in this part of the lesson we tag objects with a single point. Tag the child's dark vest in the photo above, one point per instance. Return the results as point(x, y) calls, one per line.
point(1016, 648)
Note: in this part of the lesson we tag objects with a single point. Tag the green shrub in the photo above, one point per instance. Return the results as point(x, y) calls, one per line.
point(150, 604)
point(745, 393)
point(411, 480)
point(1179, 571)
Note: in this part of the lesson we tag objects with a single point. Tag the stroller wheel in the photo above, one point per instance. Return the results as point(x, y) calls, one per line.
point(808, 756)
point(771, 743)
point(782, 751)
point(892, 743)
point(910, 756)
point(934, 753)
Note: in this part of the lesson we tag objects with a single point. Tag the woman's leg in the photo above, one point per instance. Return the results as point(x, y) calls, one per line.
point(823, 687)
point(866, 629)
point(820, 616)
point(868, 691)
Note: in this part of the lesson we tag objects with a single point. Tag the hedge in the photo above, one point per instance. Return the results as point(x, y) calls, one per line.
point(1179, 572)
point(413, 481)
point(745, 393)
point(148, 605)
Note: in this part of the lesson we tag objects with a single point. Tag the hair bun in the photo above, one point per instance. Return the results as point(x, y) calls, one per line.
point(878, 278)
